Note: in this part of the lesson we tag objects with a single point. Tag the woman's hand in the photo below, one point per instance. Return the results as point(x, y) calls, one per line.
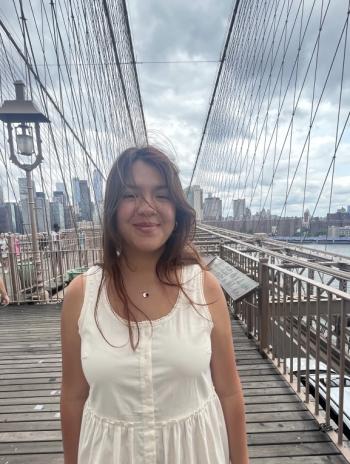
point(5, 300)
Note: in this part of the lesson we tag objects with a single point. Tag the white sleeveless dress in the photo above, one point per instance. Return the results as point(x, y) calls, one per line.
point(156, 405)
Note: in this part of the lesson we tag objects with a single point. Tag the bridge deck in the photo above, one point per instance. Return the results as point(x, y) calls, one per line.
point(280, 428)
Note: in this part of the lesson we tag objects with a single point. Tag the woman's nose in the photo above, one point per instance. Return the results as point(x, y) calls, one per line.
point(145, 204)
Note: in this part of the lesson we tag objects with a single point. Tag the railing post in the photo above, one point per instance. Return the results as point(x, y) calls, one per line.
point(60, 265)
point(263, 304)
point(13, 267)
point(343, 286)
point(249, 311)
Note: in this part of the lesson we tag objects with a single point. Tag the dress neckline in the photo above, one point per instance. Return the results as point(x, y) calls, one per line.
point(146, 321)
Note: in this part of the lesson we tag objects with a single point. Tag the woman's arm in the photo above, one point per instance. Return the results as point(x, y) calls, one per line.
point(224, 371)
point(4, 298)
point(75, 388)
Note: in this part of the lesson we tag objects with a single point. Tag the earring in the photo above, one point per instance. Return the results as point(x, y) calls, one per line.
point(117, 252)
point(175, 227)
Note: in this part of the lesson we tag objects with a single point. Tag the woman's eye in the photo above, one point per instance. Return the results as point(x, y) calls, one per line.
point(163, 197)
point(129, 195)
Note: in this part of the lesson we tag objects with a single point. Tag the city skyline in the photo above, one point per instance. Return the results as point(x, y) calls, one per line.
point(54, 210)
point(58, 210)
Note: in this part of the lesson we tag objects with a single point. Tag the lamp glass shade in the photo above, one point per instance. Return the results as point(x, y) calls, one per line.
point(25, 144)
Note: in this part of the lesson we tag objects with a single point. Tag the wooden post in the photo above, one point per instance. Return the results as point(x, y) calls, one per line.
point(263, 304)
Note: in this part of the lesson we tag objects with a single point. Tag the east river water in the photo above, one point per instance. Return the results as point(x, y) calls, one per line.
point(339, 249)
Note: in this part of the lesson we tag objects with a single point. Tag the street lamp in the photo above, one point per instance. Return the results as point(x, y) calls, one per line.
point(24, 139)
point(23, 114)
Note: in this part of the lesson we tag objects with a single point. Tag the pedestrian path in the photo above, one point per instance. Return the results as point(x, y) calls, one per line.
point(280, 428)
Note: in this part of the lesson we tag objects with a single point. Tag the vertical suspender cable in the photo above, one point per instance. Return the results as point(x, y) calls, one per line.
point(216, 86)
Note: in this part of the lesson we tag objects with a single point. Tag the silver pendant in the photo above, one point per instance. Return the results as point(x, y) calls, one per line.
point(145, 294)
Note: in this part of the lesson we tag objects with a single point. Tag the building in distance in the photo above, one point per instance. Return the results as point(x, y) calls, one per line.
point(57, 214)
point(85, 205)
point(76, 194)
point(212, 208)
point(59, 195)
point(194, 195)
point(97, 183)
point(42, 207)
point(239, 208)
point(61, 188)
point(339, 232)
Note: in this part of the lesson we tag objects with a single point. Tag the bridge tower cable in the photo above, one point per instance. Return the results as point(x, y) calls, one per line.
point(126, 16)
point(337, 142)
point(222, 60)
point(52, 136)
point(47, 93)
point(117, 62)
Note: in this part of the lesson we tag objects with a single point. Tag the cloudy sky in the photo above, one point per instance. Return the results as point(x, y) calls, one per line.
point(176, 96)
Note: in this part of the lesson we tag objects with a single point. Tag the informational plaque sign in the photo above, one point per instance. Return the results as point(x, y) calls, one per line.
point(234, 282)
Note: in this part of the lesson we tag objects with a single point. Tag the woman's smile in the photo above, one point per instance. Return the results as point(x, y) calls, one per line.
point(146, 228)
point(146, 214)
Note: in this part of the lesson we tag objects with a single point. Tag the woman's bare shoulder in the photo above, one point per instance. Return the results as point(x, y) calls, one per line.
point(74, 298)
point(211, 284)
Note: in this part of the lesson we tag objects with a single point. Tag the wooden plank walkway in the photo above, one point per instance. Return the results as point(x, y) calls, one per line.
point(280, 428)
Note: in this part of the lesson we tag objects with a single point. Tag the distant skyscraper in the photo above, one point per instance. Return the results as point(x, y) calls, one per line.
point(212, 209)
point(194, 195)
point(239, 208)
point(57, 214)
point(97, 181)
point(42, 212)
point(60, 187)
point(14, 217)
point(1, 195)
point(68, 220)
point(12, 209)
point(76, 194)
point(23, 195)
point(59, 195)
point(4, 220)
point(85, 206)
point(10, 218)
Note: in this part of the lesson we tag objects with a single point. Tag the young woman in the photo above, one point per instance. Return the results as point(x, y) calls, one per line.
point(149, 375)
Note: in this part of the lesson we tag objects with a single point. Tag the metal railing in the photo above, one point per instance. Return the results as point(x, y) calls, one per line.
point(292, 316)
point(327, 268)
point(59, 260)
point(295, 318)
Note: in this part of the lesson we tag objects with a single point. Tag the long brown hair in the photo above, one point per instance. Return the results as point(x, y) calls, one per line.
point(178, 250)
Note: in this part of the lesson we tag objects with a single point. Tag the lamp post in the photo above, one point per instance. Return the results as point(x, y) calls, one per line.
point(23, 114)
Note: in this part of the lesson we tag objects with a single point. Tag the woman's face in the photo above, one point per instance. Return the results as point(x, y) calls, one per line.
point(145, 214)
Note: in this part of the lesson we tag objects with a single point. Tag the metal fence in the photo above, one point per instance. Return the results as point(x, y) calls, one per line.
point(300, 323)
point(42, 276)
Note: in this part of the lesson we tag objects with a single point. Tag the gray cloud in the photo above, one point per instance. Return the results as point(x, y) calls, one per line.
point(176, 96)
